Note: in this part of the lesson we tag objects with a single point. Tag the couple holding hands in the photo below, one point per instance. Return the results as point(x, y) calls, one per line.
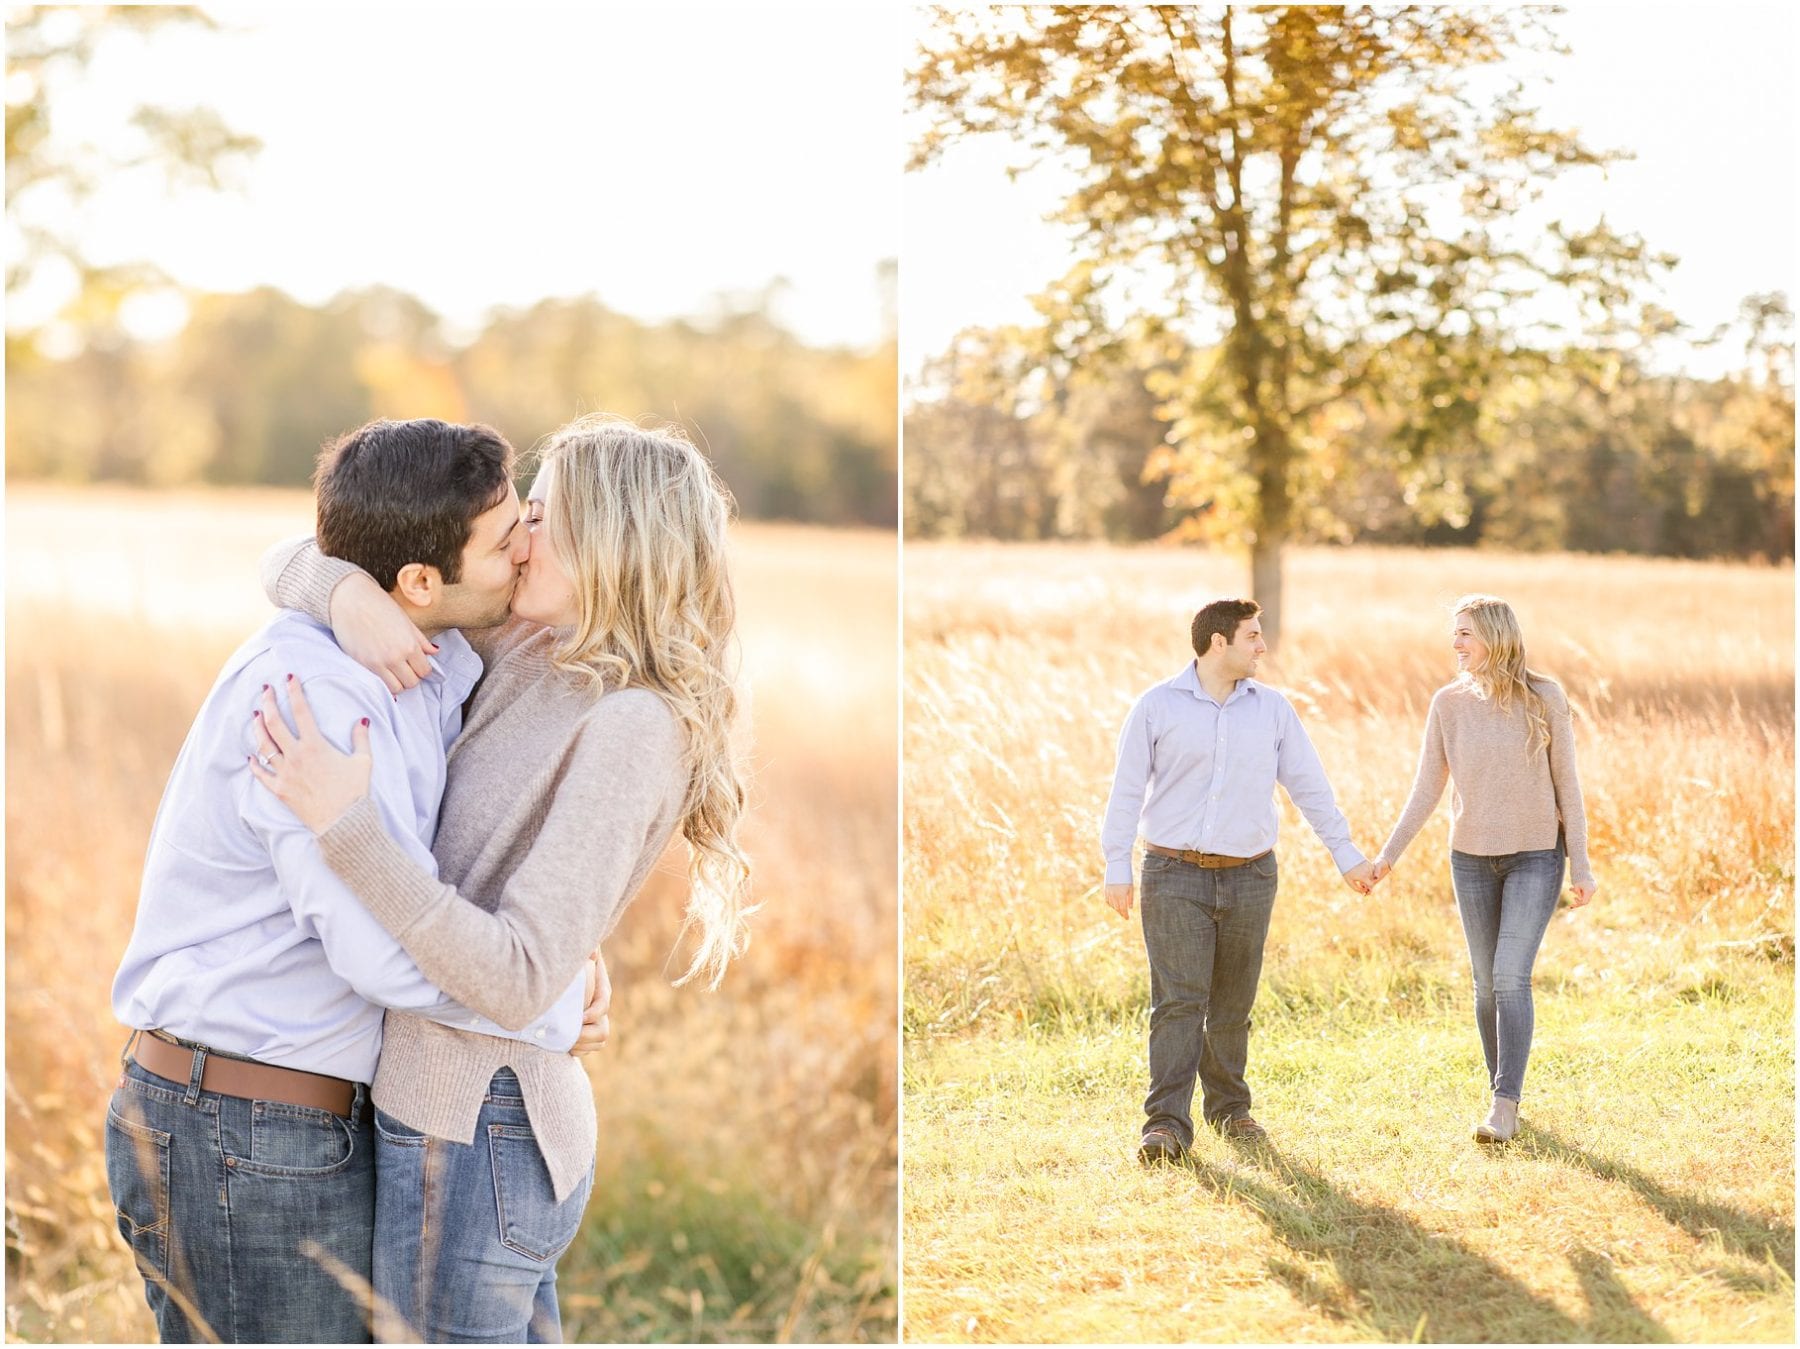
point(1198, 760)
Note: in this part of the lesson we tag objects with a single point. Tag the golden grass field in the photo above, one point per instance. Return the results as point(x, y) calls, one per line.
point(746, 1178)
point(1650, 1196)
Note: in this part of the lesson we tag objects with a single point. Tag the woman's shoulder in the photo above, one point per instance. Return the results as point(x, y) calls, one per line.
point(1549, 690)
point(1458, 690)
point(634, 717)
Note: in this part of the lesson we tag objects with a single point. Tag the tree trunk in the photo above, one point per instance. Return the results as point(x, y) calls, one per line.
point(1274, 451)
point(1248, 350)
point(1265, 585)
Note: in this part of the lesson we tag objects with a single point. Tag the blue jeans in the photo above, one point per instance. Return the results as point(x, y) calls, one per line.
point(1204, 931)
point(467, 1234)
point(1506, 903)
point(251, 1219)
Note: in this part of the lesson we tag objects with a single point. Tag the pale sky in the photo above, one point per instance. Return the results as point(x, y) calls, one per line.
point(1706, 100)
point(484, 154)
point(477, 155)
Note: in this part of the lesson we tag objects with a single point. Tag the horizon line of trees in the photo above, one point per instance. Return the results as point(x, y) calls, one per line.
point(255, 382)
point(1584, 450)
point(1355, 199)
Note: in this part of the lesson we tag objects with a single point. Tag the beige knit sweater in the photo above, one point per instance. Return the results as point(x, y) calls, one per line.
point(556, 806)
point(1505, 797)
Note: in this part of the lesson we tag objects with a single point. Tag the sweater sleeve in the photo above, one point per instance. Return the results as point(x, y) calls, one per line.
point(616, 795)
point(296, 575)
point(1569, 806)
point(1427, 788)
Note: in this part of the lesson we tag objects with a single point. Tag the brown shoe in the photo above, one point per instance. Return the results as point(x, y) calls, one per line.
point(1243, 1129)
point(1159, 1145)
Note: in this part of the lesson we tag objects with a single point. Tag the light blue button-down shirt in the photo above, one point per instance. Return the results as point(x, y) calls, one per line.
point(1195, 775)
point(245, 940)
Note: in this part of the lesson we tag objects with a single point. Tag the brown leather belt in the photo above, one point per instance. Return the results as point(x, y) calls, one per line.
point(1210, 860)
point(240, 1077)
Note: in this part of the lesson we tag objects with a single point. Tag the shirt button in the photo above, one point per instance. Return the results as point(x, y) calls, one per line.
point(540, 1035)
point(472, 1021)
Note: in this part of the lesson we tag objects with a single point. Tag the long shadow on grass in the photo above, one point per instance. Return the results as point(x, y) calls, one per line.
point(1399, 1281)
point(1764, 1240)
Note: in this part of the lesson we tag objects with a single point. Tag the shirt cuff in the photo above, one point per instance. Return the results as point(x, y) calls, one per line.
point(560, 1026)
point(1348, 857)
point(1119, 873)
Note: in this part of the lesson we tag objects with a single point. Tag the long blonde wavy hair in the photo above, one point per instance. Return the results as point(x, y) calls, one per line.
point(1504, 676)
point(638, 516)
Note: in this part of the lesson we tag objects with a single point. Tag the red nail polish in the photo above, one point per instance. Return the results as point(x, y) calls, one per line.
point(365, 721)
point(290, 679)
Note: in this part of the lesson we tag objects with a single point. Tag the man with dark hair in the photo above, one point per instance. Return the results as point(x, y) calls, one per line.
point(375, 510)
point(239, 1141)
point(1197, 765)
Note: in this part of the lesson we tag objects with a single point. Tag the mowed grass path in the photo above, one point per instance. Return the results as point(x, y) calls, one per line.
point(1650, 1196)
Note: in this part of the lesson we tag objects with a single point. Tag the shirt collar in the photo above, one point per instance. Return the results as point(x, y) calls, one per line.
point(456, 662)
point(1189, 682)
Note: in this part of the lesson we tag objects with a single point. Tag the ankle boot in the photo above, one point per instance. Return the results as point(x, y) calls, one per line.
point(1501, 1124)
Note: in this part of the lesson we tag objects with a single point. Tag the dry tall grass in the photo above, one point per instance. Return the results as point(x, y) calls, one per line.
point(746, 1181)
point(1665, 1008)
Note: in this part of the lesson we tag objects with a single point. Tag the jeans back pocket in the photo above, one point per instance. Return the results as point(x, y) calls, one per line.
point(531, 1221)
point(137, 1173)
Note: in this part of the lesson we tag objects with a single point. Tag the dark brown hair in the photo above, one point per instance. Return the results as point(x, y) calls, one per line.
point(1222, 617)
point(393, 493)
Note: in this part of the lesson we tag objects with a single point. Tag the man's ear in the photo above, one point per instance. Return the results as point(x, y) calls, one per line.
point(418, 584)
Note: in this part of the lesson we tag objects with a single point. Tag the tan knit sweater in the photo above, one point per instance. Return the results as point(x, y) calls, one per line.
point(556, 806)
point(1505, 797)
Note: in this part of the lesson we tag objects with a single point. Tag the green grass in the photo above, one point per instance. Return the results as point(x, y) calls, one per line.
point(1648, 1199)
point(663, 1259)
point(1652, 1194)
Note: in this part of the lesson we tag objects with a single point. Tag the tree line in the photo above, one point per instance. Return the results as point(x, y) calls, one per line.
point(1585, 450)
point(1349, 323)
point(254, 383)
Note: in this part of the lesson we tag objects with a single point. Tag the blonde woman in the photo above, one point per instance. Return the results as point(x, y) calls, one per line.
point(1500, 734)
point(600, 728)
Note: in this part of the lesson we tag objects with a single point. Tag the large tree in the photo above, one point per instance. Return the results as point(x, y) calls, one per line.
point(51, 174)
point(1322, 198)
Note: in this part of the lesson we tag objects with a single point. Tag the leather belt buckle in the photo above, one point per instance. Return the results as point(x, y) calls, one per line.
point(1211, 861)
point(245, 1078)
